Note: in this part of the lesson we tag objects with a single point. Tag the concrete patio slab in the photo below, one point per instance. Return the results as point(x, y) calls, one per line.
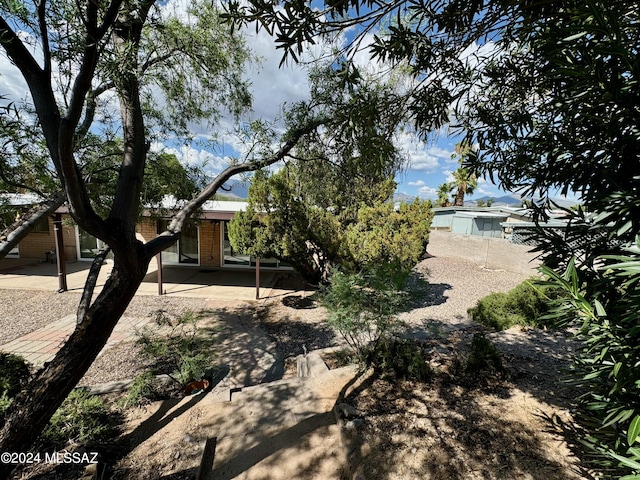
point(220, 284)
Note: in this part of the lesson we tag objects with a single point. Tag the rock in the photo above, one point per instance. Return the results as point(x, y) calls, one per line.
point(355, 424)
point(347, 411)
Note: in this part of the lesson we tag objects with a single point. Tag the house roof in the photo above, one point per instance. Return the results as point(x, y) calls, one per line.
point(481, 215)
point(500, 210)
point(211, 210)
point(21, 199)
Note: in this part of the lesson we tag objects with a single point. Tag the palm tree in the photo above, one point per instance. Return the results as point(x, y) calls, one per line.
point(443, 195)
point(464, 180)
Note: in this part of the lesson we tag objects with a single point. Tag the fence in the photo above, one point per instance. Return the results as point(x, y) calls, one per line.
point(487, 252)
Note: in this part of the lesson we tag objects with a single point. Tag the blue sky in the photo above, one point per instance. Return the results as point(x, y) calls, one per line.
point(430, 164)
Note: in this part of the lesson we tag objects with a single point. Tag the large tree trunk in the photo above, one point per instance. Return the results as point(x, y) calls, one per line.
point(13, 234)
point(35, 405)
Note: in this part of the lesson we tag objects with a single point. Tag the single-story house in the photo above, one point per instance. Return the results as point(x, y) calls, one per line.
point(204, 241)
point(477, 221)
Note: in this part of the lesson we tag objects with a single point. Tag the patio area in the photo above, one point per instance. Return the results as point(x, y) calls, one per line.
point(197, 282)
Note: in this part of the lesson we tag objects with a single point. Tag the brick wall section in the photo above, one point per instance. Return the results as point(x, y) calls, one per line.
point(146, 229)
point(37, 243)
point(493, 253)
point(210, 243)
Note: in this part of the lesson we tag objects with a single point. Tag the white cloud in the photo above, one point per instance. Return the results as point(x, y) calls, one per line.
point(188, 155)
point(427, 192)
point(449, 175)
point(421, 157)
point(419, 183)
point(484, 192)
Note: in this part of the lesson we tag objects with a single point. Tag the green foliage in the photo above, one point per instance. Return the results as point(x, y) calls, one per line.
point(82, 418)
point(385, 235)
point(363, 306)
point(465, 180)
point(316, 224)
point(14, 374)
point(444, 190)
point(178, 347)
point(483, 357)
point(525, 305)
point(339, 231)
point(140, 392)
point(401, 357)
point(607, 307)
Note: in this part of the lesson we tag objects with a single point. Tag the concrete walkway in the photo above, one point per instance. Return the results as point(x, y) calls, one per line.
point(279, 430)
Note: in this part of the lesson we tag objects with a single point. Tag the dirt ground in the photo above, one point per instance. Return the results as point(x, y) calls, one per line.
point(454, 426)
point(460, 426)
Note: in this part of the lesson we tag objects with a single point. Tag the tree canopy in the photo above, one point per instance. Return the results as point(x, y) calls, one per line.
point(328, 207)
point(549, 93)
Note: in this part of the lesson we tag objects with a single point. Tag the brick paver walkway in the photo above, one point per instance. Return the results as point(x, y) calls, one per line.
point(41, 345)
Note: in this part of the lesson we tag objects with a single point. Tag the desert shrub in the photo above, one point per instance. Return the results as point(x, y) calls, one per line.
point(177, 347)
point(363, 306)
point(483, 357)
point(401, 357)
point(82, 418)
point(140, 392)
point(526, 305)
point(14, 374)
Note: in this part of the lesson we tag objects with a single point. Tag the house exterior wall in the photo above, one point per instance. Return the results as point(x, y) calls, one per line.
point(487, 227)
point(209, 239)
point(462, 225)
point(442, 220)
point(36, 244)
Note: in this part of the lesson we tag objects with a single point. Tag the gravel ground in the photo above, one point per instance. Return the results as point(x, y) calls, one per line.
point(455, 286)
point(23, 311)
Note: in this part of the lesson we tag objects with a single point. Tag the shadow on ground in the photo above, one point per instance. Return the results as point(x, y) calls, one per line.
point(452, 428)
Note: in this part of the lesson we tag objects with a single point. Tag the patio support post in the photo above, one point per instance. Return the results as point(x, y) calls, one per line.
point(60, 260)
point(159, 260)
point(258, 278)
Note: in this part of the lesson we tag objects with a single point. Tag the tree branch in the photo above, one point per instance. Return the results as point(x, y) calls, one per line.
point(14, 233)
point(46, 51)
point(90, 109)
point(172, 233)
point(90, 284)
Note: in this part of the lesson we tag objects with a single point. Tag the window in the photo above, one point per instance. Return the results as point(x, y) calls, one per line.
point(185, 250)
point(89, 246)
point(42, 226)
